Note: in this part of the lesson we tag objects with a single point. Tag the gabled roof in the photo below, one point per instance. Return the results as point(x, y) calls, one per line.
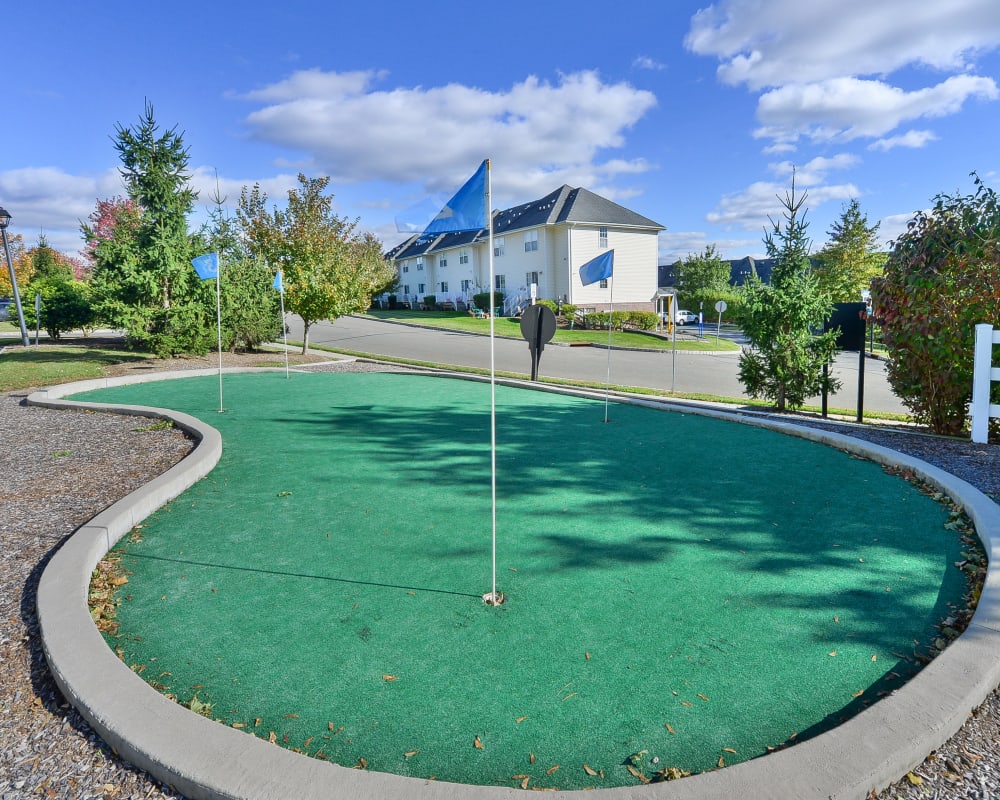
point(565, 204)
point(582, 205)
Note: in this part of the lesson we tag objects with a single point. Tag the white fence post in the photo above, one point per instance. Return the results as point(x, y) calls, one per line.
point(983, 373)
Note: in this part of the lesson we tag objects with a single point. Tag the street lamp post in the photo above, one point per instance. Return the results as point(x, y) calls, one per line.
point(4, 222)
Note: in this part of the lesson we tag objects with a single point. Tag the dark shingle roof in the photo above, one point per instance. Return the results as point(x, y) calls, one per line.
point(565, 204)
point(582, 205)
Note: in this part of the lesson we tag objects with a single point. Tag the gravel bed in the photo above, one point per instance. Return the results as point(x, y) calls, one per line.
point(59, 468)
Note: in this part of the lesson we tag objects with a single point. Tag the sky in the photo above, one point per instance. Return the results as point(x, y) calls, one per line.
point(695, 115)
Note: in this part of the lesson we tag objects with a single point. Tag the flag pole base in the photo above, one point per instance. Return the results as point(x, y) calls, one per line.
point(494, 598)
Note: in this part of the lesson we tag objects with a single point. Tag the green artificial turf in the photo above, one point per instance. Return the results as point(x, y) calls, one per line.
point(689, 587)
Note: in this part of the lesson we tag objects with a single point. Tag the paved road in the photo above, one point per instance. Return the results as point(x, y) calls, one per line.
point(708, 373)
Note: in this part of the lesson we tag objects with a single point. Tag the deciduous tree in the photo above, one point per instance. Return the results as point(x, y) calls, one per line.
point(22, 265)
point(703, 280)
point(940, 280)
point(330, 268)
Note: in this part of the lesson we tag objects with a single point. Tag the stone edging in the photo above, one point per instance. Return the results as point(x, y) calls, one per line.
point(205, 760)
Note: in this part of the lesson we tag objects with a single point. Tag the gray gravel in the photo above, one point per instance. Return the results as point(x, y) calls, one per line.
point(58, 468)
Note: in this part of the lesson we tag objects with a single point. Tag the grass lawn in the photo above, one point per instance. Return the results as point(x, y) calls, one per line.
point(507, 326)
point(46, 364)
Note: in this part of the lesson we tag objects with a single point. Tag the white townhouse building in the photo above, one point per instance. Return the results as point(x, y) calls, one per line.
point(544, 242)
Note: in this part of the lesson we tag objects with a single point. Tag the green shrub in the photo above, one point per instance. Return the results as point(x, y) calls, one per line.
point(65, 305)
point(940, 280)
point(250, 305)
point(482, 300)
point(429, 300)
point(634, 320)
point(549, 304)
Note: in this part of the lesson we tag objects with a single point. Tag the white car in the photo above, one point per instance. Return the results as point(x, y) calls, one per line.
point(685, 317)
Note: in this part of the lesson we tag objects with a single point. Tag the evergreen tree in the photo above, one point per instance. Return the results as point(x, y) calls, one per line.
point(850, 260)
point(785, 361)
point(46, 263)
point(142, 279)
point(250, 304)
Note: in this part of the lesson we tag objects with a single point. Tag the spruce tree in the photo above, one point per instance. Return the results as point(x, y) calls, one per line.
point(783, 319)
point(849, 262)
point(142, 280)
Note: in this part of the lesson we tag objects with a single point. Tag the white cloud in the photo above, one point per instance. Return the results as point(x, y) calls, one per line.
point(645, 62)
point(678, 246)
point(843, 109)
point(894, 226)
point(537, 133)
point(47, 200)
point(912, 139)
point(750, 208)
point(823, 68)
point(773, 43)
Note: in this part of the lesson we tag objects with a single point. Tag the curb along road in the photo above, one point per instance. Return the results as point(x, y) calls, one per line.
point(704, 373)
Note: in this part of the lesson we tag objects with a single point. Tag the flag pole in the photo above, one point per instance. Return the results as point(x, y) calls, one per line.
point(284, 328)
point(218, 323)
point(611, 327)
point(493, 598)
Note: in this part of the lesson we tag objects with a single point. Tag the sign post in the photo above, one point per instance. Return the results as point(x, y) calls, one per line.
point(720, 307)
point(538, 326)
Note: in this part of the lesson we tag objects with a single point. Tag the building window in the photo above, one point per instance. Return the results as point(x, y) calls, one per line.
point(406, 290)
point(443, 261)
point(498, 246)
point(530, 278)
point(420, 263)
point(530, 241)
point(421, 287)
point(444, 286)
point(463, 257)
point(466, 286)
point(500, 282)
point(602, 237)
point(406, 267)
point(604, 283)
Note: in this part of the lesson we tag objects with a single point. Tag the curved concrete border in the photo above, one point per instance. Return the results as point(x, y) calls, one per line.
point(206, 761)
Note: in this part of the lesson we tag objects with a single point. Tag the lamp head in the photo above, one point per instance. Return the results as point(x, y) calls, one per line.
point(4, 218)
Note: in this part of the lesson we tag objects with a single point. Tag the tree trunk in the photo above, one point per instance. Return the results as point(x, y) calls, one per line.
point(305, 336)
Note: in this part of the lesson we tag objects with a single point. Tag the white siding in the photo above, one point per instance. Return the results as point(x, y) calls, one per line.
point(634, 280)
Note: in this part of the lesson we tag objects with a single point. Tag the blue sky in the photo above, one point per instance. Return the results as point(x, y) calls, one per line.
point(689, 113)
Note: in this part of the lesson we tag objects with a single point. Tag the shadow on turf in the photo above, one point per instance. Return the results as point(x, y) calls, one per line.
point(548, 448)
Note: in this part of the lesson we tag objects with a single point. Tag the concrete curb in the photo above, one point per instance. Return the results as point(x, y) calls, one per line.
point(207, 761)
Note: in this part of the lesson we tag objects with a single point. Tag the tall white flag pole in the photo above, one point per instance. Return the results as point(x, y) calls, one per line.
point(611, 327)
point(493, 598)
point(218, 321)
point(284, 327)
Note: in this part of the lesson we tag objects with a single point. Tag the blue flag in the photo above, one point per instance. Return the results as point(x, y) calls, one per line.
point(466, 211)
point(207, 266)
point(598, 269)
point(278, 283)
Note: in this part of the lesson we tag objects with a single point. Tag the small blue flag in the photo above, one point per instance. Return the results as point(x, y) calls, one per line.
point(207, 266)
point(278, 283)
point(598, 269)
point(466, 211)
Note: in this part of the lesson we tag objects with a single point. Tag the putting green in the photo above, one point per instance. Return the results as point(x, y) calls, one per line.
point(693, 588)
